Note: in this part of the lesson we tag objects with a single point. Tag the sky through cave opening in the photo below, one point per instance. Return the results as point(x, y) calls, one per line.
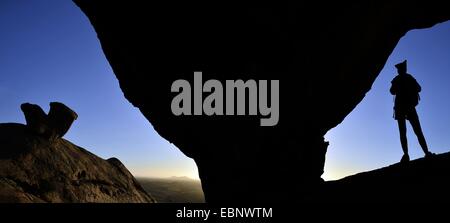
point(368, 138)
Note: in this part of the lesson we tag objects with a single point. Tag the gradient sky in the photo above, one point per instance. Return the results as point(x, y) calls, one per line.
point(50, 52)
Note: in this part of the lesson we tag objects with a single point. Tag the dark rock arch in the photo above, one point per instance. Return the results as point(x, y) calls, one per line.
point(325, 56)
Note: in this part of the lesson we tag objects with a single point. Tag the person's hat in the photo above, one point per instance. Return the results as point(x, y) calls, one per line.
point(401, 65)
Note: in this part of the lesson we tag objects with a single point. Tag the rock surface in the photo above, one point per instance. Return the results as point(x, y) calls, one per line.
point(34, 169)
point(326, 57)
point(422, 180)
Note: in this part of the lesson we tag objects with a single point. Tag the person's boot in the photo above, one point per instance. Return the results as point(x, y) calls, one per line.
point(405, 158)
point(429, 154)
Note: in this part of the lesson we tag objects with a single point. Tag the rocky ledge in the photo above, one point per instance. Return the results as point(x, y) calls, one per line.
point(422, 180)
point(37, 165)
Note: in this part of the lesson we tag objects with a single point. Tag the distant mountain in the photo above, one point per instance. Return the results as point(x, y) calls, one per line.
point(421, 180)
point(36, 169)
point(174, 189)
point(180, 178)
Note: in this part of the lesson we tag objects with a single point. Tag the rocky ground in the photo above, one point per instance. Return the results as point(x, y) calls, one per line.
point(34, 169)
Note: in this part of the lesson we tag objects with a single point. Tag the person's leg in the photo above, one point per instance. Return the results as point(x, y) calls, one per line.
point(415, 123)
point(403, 139)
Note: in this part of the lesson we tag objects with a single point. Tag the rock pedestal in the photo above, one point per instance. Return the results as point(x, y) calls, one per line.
point(52, 126)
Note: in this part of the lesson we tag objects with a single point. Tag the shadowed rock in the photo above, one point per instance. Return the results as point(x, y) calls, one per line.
point(60, 118)
point(422, 180)
point(33, 169)
point(36, 118)
point(52, 126)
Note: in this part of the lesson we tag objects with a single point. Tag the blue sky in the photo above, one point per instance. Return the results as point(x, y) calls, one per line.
point(49, 52)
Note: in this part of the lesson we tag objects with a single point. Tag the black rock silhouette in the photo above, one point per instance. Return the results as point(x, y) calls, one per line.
point(60, 118)
point(325, 56)
point(52, 126)
point(36, 118)
point(422, 180)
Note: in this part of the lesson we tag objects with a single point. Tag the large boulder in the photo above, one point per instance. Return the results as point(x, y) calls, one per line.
point(60, 118)
point(52, 126)
point(34, 169)
point(37, 165)
point(36, 118)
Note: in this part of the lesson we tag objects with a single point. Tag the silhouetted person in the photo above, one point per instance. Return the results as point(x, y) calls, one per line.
point(406, 91)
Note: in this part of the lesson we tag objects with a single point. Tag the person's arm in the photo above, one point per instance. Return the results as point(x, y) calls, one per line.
point(393, 89)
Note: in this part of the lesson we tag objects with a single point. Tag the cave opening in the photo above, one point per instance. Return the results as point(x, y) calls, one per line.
point(368, 138)
point(62, 60)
